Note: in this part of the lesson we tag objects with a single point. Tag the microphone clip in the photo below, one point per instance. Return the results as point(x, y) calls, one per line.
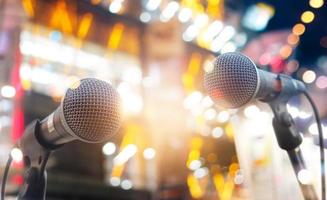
point(35, 157)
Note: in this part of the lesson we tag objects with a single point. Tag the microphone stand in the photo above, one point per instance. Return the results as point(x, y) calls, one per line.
point(35, 157)
point(289, 139)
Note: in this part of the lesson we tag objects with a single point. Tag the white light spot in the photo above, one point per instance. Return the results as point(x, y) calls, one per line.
point(309, 76)
point(109, 148)
point(185, 15)
point(16, 154)
point(223, 116)
point(195, 164)
point(210, 114)
point(126, 184)
point(305, 176)
point(149, 153)
point(251, 111)
point(201, 172)
point(115, 6)
point(115, 181)
point(217, 132)
point(145, 17)
point(8, 91)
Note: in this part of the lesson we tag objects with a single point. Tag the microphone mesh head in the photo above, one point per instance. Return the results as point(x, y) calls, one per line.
point(92, 111)
point(232, 81)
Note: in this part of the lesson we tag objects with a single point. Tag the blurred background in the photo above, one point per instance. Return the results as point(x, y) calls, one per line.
point(174, 143)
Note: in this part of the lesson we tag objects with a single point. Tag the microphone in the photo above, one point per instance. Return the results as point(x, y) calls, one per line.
point(90, 111)
point(234, 80)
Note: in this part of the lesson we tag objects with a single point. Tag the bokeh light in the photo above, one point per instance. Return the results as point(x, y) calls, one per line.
point(309, 76)
point(298, 29)
point(307, 17)
point(321, 82)
point(8, 91)
point(316, 3)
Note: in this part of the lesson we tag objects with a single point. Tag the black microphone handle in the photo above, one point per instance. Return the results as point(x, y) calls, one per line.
point(54, 129)
point(272, 86)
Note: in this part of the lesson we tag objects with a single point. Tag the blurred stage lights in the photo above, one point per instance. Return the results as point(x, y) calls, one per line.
point(309, 76)
point(226, 34)
point(201, 20)
point(8, 91)
point(201, 172)
point(208, 66)
point(217, 132)
point(251, 111)
point(114, 181)
point(16, 154)
point(126, 184)
point(185, 15)
point(307, 17)
point(293, 39)
point(115, 6)
point(298, 29)
point(145, 17)
point(213, 30)
point(210, 114)
point(316, 3)
point(109, 148)
point(128, 152)
point(304, 176)
point(192, 100)
point(169, 11)
point(195, 164)
point(285, 51)
point(223, 116)
point(190, 34)
point(229, 47)
point(207, 102)
point(152, 5)
point(149, 153)
point(239, 179)
point(321, 82)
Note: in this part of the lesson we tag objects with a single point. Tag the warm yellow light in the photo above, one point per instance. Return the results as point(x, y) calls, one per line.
point(129, 137)
point(194, 64)
point(85, 25)
point(60, 18)
point(194, 187)
point(298, 29)
point(28, 7)
point(285, 51)
point(115, 36)
point(307, 17)
point(188, 82)
point(95, 2)
point(316, 3)
point(293, 39)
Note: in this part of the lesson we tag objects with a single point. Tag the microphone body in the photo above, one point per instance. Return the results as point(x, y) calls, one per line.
point(273, 85)
point(234, 80)
point(89, 112)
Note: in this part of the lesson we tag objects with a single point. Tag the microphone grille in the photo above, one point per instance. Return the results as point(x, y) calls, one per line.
point(91, 109)
point(233, 80)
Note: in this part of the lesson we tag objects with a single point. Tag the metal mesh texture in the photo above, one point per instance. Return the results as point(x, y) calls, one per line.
point(92, 110)
point(233, 80)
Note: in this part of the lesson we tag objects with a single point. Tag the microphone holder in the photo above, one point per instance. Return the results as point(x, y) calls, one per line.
point(289, 139)
point(35, 157)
